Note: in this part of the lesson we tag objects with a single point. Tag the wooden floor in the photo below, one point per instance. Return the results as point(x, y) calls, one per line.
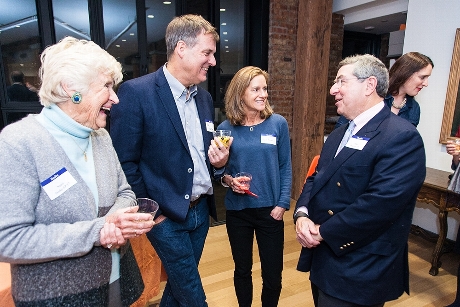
point(216, 269)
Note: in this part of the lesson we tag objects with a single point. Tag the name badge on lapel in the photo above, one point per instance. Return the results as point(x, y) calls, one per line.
point(209, 125)
point(357, 142)
point(58, 183)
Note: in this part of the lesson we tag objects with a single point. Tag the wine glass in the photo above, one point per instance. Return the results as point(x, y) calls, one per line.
point(244, 179)
point(223, 135)
point(147, 205)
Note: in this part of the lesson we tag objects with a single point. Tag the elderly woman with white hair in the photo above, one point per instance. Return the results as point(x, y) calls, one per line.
point(67, 211)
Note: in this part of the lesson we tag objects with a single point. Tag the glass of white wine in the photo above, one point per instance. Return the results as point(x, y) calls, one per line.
point(223, 135)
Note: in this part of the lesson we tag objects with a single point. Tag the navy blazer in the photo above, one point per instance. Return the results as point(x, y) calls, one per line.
point(364, 201)
point(150, 141)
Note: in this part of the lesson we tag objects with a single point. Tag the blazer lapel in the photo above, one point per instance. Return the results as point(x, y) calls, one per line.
point(167, 99)
point(330, 164)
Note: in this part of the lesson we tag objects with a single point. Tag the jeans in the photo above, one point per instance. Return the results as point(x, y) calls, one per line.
point(179, 246)
point(241, 226)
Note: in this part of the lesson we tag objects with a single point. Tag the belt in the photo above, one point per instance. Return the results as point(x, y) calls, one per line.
point(195, 202)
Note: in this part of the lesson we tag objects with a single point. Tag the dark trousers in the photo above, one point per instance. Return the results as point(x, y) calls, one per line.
point(241, 226)
point(322, 299)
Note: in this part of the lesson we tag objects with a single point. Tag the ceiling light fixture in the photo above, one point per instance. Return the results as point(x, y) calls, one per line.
point(222, 10)
point(150, 16)
point(223, 24)
point(368, 28)
point(166, 2)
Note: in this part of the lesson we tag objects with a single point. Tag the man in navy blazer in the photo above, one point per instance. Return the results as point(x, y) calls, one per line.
point(354, 214)
point(161, 130)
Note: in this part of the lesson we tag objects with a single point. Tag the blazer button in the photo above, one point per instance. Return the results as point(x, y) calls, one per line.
point(338, 184)
point(189, 170)
point(330, 212)
point(341, 247)
point(187, 196)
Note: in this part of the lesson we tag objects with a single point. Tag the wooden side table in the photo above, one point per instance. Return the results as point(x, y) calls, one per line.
point(434, 191)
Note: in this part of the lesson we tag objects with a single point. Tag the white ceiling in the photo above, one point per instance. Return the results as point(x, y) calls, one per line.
point(372, 16)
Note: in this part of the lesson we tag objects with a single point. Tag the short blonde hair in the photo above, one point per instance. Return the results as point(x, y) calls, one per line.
point(75, 63)
point(234, 105)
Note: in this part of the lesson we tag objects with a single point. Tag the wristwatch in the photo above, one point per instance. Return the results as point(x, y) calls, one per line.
point(299, 214)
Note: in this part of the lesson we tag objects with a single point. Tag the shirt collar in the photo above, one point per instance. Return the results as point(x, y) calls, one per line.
point(177, 88)
point(367, 115)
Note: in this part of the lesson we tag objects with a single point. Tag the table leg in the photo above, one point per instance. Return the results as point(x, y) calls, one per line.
point(435, 259)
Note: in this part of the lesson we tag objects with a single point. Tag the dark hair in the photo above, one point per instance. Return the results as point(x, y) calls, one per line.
point(404, 67)
point(17, 76)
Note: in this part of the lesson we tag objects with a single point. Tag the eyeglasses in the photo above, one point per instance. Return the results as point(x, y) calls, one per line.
point(340, 81)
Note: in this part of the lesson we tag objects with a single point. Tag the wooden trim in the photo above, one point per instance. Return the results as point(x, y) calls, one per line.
point(452, 92)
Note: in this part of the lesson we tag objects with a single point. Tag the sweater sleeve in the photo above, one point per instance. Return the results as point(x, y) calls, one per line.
point(284, 156)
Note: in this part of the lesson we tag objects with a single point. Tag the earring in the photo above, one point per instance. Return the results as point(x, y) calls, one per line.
point(76, 97)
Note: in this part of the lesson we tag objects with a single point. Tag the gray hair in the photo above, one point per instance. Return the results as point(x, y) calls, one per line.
point(75, 63)
point(367, 65)
point(186, 28)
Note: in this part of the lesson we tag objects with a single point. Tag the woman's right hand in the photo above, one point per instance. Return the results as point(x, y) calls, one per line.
point(130, 223)
point(451, 148)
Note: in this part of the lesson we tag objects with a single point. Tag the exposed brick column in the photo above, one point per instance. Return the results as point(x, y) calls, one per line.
point(281, 56)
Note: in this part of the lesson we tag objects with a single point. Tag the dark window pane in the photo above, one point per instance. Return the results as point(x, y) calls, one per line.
point(20, 45)
point(120, 27)
point(159, 14)
point(71, 18)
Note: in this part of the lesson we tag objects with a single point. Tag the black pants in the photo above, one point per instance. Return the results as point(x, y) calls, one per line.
point(241, 226)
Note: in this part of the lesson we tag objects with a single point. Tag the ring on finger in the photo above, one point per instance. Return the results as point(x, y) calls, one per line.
point(109, 245)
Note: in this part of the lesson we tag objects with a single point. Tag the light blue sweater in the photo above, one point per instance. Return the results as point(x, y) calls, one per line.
point(253, 150)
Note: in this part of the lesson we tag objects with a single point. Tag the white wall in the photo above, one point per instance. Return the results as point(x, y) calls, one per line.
point(430, 29)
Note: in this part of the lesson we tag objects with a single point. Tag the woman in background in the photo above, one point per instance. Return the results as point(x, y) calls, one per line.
point(408, 76)
point(67, 210)
point(261, 147)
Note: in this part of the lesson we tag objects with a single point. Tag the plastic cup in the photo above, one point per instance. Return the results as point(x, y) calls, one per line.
point(223, 135)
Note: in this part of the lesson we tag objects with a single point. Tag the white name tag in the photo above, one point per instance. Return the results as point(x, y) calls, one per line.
point(209, 125)
point(58, 183)
point(357, 142)
point(268, 139)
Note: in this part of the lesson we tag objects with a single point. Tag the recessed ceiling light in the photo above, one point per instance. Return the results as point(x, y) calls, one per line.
point(222, 10)
point(226, 46)
point(368, 28)
point(224, 24)
point(150, 16)
point(224, 33)
point(132, 34)
point(225, 40)
point(123, 40)
point(166, 2)
point(118, 46)
point(227, 51)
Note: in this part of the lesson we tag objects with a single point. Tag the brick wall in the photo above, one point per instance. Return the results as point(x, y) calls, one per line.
point(335, 57)
point(281, 57)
